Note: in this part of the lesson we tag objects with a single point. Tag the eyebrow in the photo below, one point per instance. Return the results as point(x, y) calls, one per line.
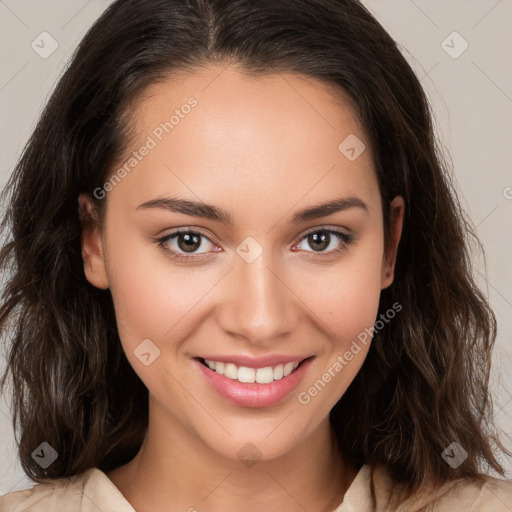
point(207, 211)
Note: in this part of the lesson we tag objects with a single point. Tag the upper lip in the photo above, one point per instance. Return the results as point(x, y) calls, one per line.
point(256, 362)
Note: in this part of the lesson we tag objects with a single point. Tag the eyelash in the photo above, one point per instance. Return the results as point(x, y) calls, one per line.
point(345, 238)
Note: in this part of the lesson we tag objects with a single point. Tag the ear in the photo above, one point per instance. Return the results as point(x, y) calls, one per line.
point(396, 219)
point(92, 251)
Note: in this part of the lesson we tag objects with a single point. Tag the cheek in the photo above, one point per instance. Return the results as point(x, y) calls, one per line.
point(346, 299)
point(151, 296)
point(346, 295)
point(157, 301)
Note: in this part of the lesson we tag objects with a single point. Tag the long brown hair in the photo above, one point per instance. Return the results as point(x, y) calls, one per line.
point(424, 383)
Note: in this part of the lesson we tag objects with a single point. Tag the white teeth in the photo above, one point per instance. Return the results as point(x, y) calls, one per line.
point(264, 375)
point(250, 375)
point(246, 374)
point(278, 372)
point(288, 368)
point(230, 371)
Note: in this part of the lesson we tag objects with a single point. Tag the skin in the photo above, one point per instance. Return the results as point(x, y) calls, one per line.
point(262, 149)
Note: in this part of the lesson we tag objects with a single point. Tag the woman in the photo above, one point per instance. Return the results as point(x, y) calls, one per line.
point(243, 275)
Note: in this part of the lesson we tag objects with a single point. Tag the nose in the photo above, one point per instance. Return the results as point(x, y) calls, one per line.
point(259, 304)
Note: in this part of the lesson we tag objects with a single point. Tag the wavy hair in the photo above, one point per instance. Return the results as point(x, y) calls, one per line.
point(424, 383)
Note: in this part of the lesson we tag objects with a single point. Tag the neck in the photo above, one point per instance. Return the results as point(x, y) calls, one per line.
point(174, 471)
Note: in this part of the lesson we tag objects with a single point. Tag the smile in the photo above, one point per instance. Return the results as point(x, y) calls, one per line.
point(258, 385)
point(251, 375)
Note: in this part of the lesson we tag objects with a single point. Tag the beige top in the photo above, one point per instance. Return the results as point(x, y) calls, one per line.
point(93, 491)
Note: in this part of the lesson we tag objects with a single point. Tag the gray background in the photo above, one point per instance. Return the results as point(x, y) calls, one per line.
point(470, 93)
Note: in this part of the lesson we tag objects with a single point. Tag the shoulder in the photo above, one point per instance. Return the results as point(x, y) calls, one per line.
point(491, 494)
point(62, 494)
point(486, 494)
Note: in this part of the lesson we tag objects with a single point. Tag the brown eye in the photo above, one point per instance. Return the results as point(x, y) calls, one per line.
point(188, 242)
point(184, 245)
point(319, 241)
point(325, 241)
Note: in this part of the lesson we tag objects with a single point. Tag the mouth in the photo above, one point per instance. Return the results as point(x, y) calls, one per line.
point(254, 385)
point(251, 375)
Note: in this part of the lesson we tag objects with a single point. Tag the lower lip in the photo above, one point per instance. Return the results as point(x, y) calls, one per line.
point(254, 395)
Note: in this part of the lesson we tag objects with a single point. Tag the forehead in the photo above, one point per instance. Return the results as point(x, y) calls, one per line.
point(220, 127)
point(270, 103)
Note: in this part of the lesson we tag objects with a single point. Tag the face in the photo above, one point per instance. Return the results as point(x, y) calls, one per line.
point(215, 247)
